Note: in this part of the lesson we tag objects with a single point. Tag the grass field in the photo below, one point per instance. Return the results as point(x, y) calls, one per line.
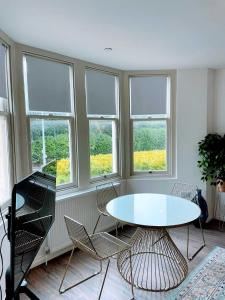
point(102, 164)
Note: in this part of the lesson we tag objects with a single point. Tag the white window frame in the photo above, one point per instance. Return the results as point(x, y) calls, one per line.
point(7, 113)
point(115, 119)
point(148, 117)
point(70, 117)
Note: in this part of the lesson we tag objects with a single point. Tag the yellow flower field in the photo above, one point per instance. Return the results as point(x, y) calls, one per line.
point(150, 160)
point(102, 164)
point(63, 171)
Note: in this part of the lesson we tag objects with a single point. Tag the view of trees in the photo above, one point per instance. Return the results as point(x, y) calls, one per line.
point(100, 137)
point(149, 135)
point(149, 138)
point(56, 136)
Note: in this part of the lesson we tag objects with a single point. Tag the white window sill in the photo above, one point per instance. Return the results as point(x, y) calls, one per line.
point(151, 177)
point(74, 194)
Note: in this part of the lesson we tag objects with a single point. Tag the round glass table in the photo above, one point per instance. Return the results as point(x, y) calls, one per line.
point(157, 263)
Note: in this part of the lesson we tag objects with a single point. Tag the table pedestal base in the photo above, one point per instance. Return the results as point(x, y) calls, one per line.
point(157, 264)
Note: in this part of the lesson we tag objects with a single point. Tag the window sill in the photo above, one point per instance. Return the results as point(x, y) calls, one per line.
point(152, 177)
point(84, 192)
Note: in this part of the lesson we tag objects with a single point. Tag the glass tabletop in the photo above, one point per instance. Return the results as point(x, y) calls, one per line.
point(153, 210)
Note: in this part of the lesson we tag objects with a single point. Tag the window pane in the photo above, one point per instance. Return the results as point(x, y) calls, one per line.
point(3, 77)
point(103, 153)
point(148, 95)
point(101, 93)
point(48, 85)
point(149, 146)
point(50, 141)
point(5, 182)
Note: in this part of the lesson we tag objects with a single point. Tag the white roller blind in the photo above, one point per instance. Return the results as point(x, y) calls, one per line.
point(3, 71)
point(148, 95)
point(100, 93)
point(48, 85)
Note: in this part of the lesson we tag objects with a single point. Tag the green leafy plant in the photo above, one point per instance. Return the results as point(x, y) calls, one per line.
point(212, 158)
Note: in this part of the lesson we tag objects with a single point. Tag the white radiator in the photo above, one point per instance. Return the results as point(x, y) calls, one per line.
point(83, 209)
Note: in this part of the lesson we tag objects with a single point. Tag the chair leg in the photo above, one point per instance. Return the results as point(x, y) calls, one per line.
point(202, 246)
point(131, 276)
point(61, 291)
point(106, 271)
point(117, 225)
point(97, 223)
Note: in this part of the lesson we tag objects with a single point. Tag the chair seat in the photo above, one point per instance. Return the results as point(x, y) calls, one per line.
point(107, 245)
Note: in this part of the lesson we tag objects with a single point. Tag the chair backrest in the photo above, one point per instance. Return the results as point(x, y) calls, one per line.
point(105, 193)
point(184, 190)
point(79, 235)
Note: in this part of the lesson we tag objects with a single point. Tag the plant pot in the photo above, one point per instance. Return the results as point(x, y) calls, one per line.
point(221, 187)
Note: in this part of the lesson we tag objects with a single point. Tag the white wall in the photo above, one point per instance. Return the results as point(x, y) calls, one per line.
point(219, 102)
point(194, 93)
point(191, 122)
point(219, 119)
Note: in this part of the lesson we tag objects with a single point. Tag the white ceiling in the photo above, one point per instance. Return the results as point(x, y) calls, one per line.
point(144, 34)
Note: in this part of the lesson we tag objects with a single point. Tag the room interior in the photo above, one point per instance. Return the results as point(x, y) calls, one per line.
point(124, 96)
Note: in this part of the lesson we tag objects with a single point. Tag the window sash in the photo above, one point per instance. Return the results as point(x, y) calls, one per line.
point(27, 89)
point(3, 71)
point(73, 147)
point(116, 149)
point(115, 102)
point(152, 173)
point(148, 113)
point(6, 96)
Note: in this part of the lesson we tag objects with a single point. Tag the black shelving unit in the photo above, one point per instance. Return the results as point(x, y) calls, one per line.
point(30, 218)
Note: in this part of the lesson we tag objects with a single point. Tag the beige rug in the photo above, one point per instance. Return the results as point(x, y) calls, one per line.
point(205, 282)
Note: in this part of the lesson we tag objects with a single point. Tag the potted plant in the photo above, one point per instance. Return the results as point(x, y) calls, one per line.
point(212, 160)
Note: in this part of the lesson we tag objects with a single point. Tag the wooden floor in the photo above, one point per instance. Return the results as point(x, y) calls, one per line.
point(45, 281)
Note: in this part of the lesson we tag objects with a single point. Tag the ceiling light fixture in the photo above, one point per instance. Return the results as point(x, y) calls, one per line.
point(108, 49)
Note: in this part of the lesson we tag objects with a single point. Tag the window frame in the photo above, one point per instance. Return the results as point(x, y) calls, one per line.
point(70, 117)
point(113, 118)
point(7, 114)
point(170, 147)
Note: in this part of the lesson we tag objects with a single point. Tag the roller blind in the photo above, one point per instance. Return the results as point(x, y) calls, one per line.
point(100, 93)
point(148, 95)
point(48, 85)
point(3, 71)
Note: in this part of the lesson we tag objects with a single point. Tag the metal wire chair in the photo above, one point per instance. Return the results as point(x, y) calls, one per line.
point(188, 191)
point(100, 246)
point(105, 193)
